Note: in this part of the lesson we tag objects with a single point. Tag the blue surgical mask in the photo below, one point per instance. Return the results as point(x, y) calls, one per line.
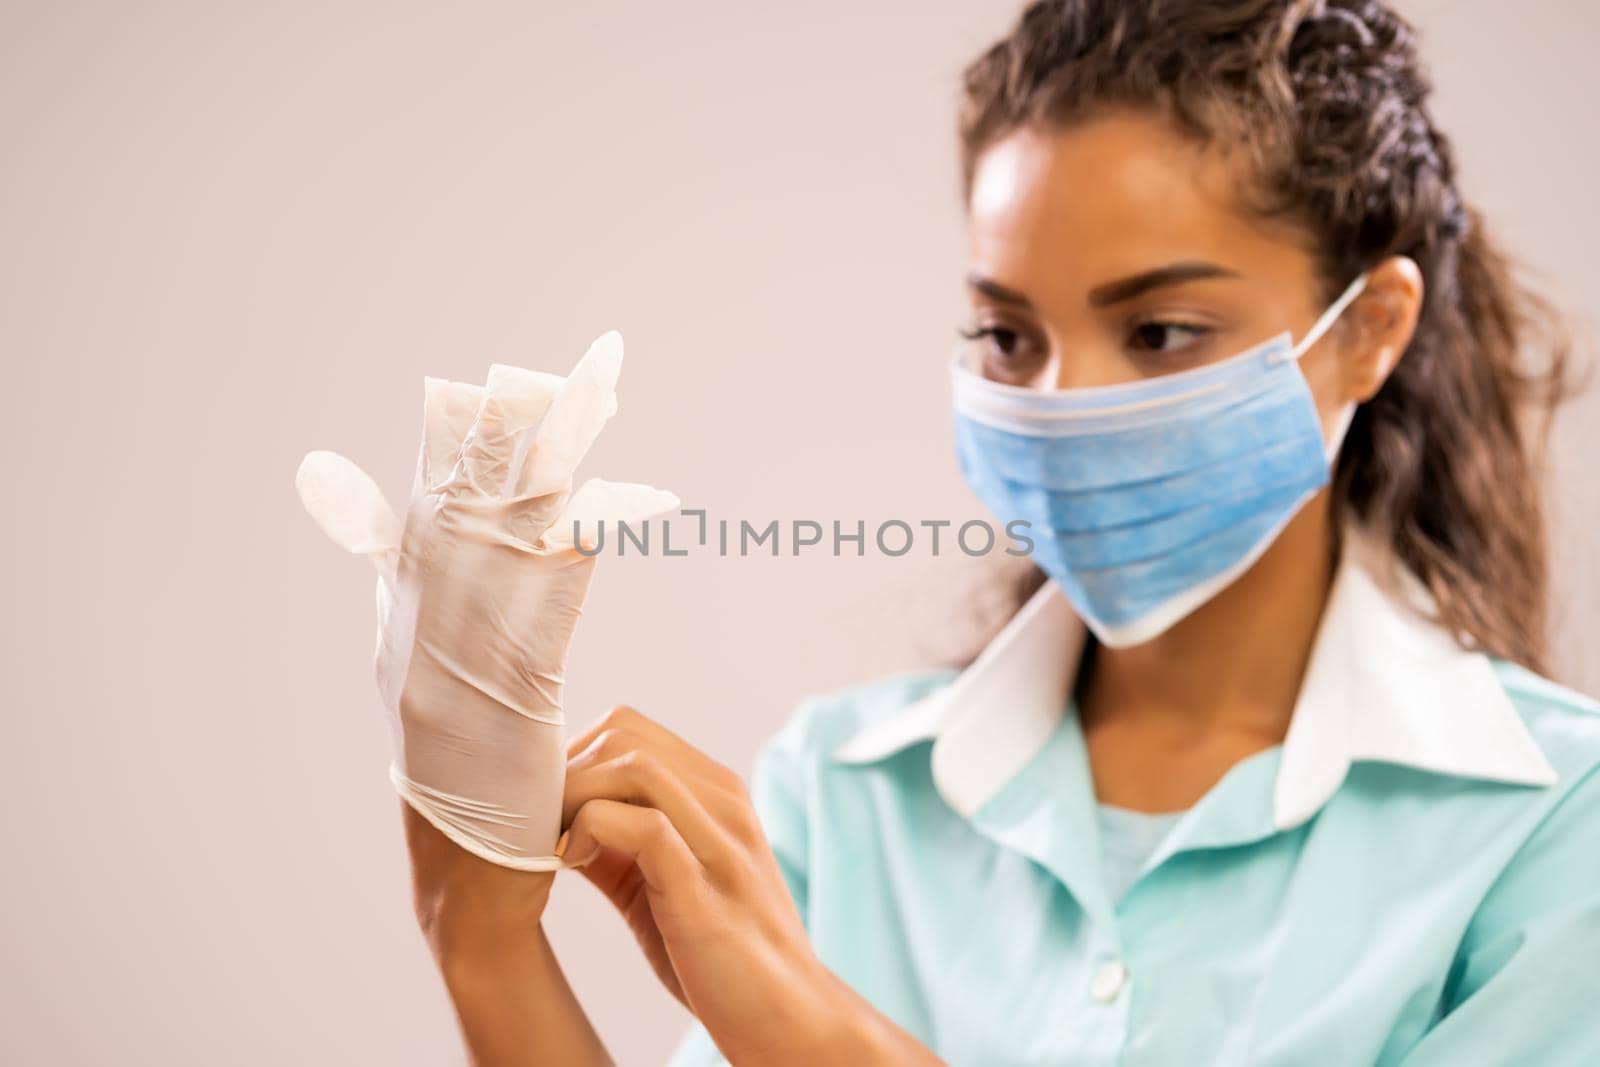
point(1145, 499)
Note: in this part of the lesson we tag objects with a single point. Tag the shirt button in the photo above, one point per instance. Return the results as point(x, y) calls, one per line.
point(1108, 981)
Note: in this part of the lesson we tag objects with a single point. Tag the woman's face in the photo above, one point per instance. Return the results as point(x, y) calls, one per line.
point(1116, 249)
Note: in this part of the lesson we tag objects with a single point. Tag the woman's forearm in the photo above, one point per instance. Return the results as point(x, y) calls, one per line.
point(482, 923)
point(857, 1033)
point(516, 1007)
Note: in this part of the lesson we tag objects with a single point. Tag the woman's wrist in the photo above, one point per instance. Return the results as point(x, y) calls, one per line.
point(464, 904)
point(467, 929)
point(483, 924)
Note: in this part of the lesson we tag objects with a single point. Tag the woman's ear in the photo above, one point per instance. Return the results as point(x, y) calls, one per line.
point(1382, 321)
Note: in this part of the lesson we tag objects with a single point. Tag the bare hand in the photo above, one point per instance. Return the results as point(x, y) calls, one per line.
point(670, 836)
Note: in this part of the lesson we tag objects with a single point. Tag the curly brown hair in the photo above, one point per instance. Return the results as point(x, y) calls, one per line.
point(1330, 101)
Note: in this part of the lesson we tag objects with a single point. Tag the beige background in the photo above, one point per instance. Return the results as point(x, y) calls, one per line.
point(232, 233)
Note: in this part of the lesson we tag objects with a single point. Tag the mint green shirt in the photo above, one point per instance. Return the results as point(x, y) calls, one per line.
point(1412, 877)
point(1127, 839)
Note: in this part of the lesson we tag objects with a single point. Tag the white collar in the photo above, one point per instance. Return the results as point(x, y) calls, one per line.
point(1382, 683)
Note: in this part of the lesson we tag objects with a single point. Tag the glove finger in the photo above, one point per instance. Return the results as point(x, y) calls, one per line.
point(448, 410)
point(350, 508)
point(526, 398)
point(614, 502)
point(526, 393)
point(513, 405)
point(586, 400)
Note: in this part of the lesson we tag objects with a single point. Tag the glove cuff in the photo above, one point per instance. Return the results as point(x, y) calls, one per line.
point(452, 828)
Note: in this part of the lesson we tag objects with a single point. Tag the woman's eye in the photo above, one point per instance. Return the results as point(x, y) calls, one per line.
point(1158, 336)
point(1005, 354)
point(1005, 340)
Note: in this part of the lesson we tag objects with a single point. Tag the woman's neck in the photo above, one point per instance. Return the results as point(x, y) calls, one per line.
point(1234, 665)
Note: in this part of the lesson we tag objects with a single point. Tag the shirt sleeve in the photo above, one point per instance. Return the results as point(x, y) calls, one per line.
point(778, 797)
point(1526, 982)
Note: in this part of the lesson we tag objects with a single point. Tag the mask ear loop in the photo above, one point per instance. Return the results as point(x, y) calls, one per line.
point(1318, 328)
point(1330, 316)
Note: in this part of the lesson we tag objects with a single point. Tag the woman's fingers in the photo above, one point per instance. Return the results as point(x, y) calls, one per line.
point(616, 767)
point(644, 731)
point(643, 834)
point(716, 920)
point(618, 877)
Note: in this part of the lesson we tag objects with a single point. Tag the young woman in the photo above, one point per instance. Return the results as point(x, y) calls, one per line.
point(1264, 771)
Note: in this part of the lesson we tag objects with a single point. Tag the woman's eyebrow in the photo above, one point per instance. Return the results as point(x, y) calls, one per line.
point(995, 291)
point(1171, 274)
point(1112, 292)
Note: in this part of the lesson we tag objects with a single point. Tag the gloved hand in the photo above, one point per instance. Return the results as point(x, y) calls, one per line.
point(479, 589)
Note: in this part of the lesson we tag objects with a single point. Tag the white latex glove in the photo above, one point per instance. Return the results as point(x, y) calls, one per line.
point(479, 590)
